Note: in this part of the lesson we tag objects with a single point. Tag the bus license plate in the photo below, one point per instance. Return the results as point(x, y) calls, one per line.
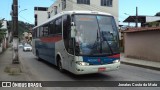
point(101, 69)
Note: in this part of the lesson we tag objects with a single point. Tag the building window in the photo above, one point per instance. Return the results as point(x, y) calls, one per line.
point(49, 14)
point(63, 4)
point(55, 10)
point(83, 2)
point(35, 16)
point(35, 23)
point(108, 3)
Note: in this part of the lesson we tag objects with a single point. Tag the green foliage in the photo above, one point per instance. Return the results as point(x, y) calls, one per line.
point(2, 31)
point(22, 27)
point(157, 14)
point(153, 24)
point(1, 24)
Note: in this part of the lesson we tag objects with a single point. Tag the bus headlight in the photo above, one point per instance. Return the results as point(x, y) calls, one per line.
point(82, 63)
point(116, 61)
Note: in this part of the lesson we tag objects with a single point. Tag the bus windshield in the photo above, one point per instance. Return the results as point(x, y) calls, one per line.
point(96, 35)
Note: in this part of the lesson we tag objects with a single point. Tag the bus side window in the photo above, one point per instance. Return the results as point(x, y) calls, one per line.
point(41, 31)
point(38, 32)
point(45, 30)
point(58, 26)
point(52, 28)
point(66, 31)
point(34, 33)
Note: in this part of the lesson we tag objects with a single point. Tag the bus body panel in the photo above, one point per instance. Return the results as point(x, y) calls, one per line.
point(60, 50)
point(95, 68)
point(45, 48)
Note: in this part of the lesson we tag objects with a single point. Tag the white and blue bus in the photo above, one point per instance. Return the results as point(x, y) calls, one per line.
point(80, 42)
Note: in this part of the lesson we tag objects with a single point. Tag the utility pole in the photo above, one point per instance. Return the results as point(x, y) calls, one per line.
point(136, 17)
point(15, 59)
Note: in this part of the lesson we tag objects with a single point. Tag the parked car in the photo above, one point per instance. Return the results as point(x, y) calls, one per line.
point(27, 47)
point(20, 45)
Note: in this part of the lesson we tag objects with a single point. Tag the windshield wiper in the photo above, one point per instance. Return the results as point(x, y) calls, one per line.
point(96, 42)
point(107, 43)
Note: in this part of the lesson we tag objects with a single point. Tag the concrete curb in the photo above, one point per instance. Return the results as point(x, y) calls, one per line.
point(140, 65)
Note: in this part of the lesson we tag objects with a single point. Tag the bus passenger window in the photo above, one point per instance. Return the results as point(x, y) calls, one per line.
point(35, 33)
point(45, 30)
point(41, 31)
point(58, 26)
point(38, 32)
point(52, 28)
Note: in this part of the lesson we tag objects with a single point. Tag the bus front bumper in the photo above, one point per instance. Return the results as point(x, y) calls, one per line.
point(96, 68)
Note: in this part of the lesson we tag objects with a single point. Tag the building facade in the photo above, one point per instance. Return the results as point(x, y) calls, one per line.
point(108, 6)
point(40, 15)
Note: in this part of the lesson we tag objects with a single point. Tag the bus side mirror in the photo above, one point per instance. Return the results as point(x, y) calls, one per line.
point(72, 24)
point(73, 31)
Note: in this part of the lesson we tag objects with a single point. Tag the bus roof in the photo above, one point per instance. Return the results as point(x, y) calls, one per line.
point(73, 12)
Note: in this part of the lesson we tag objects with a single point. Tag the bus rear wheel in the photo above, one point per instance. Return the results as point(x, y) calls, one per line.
point(39, 59)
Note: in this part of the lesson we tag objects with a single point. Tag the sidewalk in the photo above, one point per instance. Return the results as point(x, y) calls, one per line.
point(9, 71)
point(140, 63)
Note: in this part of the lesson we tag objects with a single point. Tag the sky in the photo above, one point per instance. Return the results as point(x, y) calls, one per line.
point(27, 15)
point(145, 7)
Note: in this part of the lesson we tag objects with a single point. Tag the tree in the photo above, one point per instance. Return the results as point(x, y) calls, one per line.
point(2, 31)
point(157, 14)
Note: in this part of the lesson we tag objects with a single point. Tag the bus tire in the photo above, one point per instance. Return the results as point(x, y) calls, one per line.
point(59, 64)
point(37, 53)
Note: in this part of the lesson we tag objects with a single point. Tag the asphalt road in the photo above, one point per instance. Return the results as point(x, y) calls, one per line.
point(42, 71)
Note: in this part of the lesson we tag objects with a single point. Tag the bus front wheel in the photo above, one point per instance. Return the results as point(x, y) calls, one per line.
point(59, 64)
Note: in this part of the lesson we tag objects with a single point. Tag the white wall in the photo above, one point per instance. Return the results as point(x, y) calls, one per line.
point(41, 16)
point(95, 5)
point(152, 18)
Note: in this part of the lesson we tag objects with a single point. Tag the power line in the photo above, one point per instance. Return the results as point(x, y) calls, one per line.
point(25, 19)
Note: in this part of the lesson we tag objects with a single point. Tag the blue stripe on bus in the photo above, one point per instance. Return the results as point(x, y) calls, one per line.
point(99, 60)
point(46, 51)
